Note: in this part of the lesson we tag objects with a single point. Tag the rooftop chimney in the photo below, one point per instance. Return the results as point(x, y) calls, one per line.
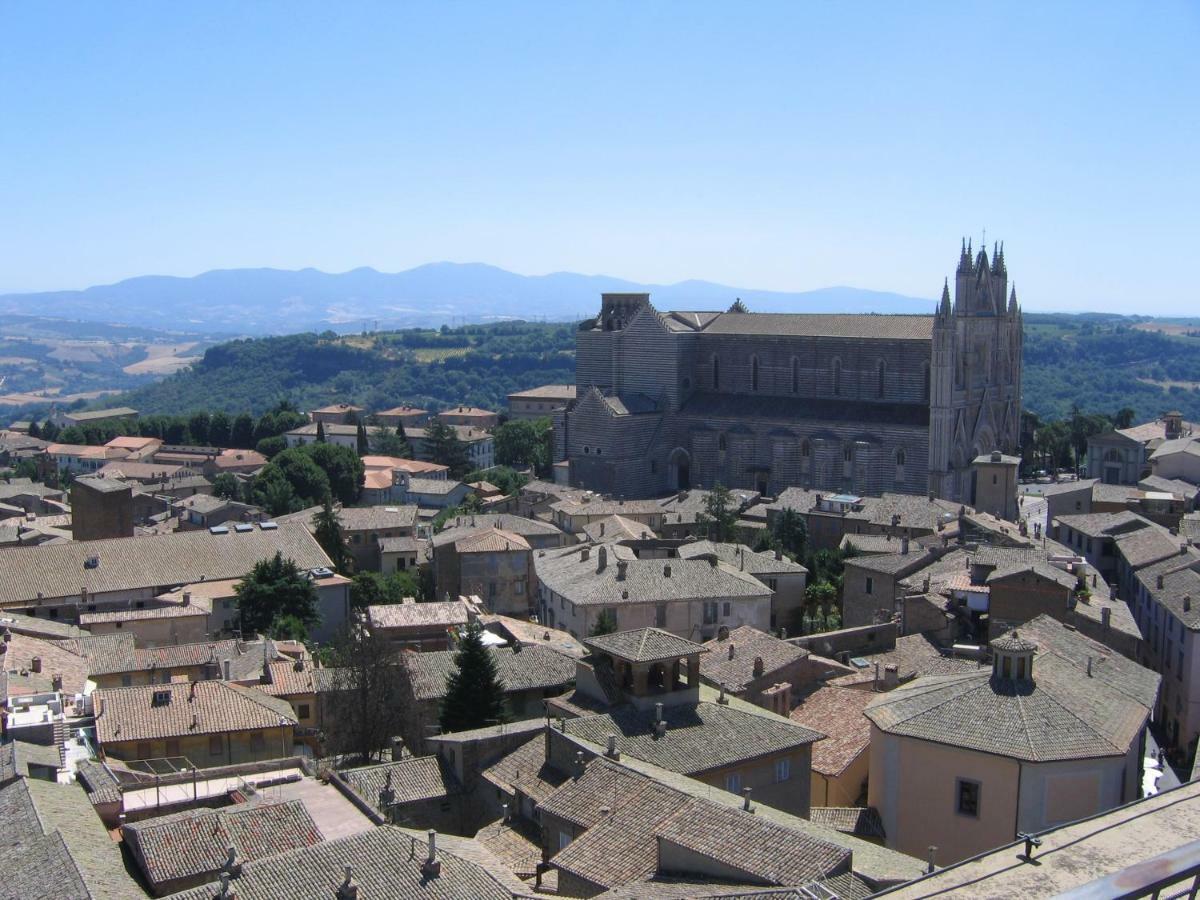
point(904, 545)
point(758, 666)
point(602, 559)
point(612, 752)
point(227, 891)
point(36, 665)
point(1187, 602)
point(432, 867)
point(56, 682)
point(348, 889)
point(722, 699)
point(578, 763)
point(667, 571)
point(622, 568)
point(187, 598)
point(1106, 618)
point(232, 867)
point(227, 670)
point(746, 799)
point(891, 676)
point(1089, 667)
point(584, 554)
point(1159, 582)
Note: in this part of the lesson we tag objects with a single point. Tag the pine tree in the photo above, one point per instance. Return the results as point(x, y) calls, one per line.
point(406, 450)
point(328, 532)
point(474, 692)
point(320, 432)
point(364, 446)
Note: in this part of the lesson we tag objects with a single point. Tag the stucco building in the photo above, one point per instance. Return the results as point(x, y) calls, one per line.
point(862, 403)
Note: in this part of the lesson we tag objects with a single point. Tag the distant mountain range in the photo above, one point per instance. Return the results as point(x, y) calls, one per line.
point(275, 301)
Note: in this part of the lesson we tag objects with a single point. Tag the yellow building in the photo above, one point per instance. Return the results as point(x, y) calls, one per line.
point(211, 723)
point(1052, 733)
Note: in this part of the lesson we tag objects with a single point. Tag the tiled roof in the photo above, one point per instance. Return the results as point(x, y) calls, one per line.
point(376, 518)
point(56, 847)
point(837, 713)
point(1062, 714)
point(766, 850)
point(417, 778)
point(104, 652)
point(17, 756)
point(55, 659)
point(582, 582)
point(435, 614)
point(743, 558)
point(749, 644)
point(1104, 524)
point(412, 466)
point(198, 607)
point(432, 486)
point(1175, 486)
point(101, 785)
point(643, 645)
point(492, 540)
point(1012, 642)
point(1147, 545)
point(913, 656)
point(196, 843)
point(526, 770)
point(19, 623)
point(384, 863)
point(461, 526)
point(882, 327)
point(1181, 588)
point(698, 738)
point(532, 667)
point(862, 821)
point(154, 561)
point(546, 392)
point(594, 508)
point(289, 678)
point(197, 707)
point(616, 528)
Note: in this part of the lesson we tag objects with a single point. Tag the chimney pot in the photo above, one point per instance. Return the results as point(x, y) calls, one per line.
point(746, 799)
point(1106, 617)
point(658, 709)
point(732, 650)
point(758, 666)
point(227, 670)
point(1159, 582)
point(667, 571)
point(613, 753)
point(1089, 669)
point(36, 665)
point(602, 557)
point(1187, 603)
point(432, 867)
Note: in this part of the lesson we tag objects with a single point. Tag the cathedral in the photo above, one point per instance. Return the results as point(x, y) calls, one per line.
point(857, 404)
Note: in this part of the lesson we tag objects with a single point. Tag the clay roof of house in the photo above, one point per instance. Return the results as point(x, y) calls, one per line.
point(617, 528)
point(413, 779)
point(913, 656)
point(461, 526)
point(101, 785)
point(1060, 714)
point(698, 739)
point(54, 658)
point(153, 561)
point(235, 459)
point(582, 582)
point(92, 415)
point(375, 518)
point(473, 411)
point(525, 769)
point(491, 540)
point(862, 821)
point(743, 558)
point(403, 411)
point(546, 392)
point(412, 466)
point(1147, 545)
point(437, 614)
point(1104, 524)
point(56, 846)
point(749, 644)
point(384, 862)
point(339, 408)
point(643, 645)
point(837, 713)
point(526, 669)
point(1180, 592)
point(436, 487)
point(86, 451)
point(16, 757)
point(198, 606)
point(196, 842)
point(191, 708)
point(133, 442)
point(289, 678)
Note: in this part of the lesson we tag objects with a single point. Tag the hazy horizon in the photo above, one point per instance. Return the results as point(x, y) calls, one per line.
point(783, 147)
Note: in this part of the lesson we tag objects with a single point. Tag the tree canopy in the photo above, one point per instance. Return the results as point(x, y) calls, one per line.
point(474, 692)
point(276, 595)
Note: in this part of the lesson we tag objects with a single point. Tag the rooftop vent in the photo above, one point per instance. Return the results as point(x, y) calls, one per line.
point(268, 526)
point(218, 529)
point(243, 527)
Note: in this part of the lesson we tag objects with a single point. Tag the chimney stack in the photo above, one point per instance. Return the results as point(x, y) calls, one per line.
point(56, 682)
point(227, 892)
point(904, 545)
point(1159, 582)
point(602, 559)
point(348, 889)
point(187, 598)
point(667, 571)
point(36, 665)
point(578, 763)
point(612, 752)
point(891, 676)
point(232, 867)
point(227, 670)
point(746, 799)
point(1089, 667)
point(432, 867)
point(622, 568)
point(660, 725)
point(1187, 602)
point(758, 667)
point(1106, 618)
point(584, 554)
point(722, 699)
point(732, 650)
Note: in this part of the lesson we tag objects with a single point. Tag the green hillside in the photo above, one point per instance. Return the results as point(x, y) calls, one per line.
point(1096, 362)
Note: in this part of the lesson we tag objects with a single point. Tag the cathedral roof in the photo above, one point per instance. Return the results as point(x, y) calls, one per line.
point(882, 327)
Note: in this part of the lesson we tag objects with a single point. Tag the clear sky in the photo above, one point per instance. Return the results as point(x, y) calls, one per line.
point(785, 146)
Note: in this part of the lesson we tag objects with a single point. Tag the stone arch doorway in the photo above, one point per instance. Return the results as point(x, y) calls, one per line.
point(679, 469)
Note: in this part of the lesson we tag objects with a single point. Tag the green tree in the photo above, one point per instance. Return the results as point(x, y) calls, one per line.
point(275, 590)
point(342, 467)
point(509, 481)
point(791, 533)
point(309, 482)
point(219, 426)
point(520, 443)
point(320, 432)
point(328, 532)
point(273, 492)
point(198, 427)
point(820, 595)
point(474, 691)
point(386, 442)
point(1124, 417)
point(719, 518)
point(407, 452)
point(606, 623)
point(226, 485)
point(362, 444)
point(444, 447)
point(241, 435)
point(377, 589)
point(270, 447)
point(35, 430)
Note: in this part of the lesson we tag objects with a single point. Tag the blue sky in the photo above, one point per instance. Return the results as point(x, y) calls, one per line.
point(785, 146)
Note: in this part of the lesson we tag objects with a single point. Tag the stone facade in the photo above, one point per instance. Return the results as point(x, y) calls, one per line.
point(866, 403)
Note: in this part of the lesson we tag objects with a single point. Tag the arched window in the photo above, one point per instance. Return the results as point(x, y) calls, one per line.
point(754, 373)
point(837, 378)
point(795, 375)
point(848, 453)
point(716, 372)
point(805, 449)
point(721, 442)
point(900, 457)
point(881, 373)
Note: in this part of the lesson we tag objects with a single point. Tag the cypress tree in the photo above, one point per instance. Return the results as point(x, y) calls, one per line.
point(320, 432)
point(364, 446)
point(474, 692)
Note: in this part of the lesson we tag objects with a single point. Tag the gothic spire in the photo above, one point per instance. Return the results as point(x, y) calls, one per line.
point(964, 259)
point(1012, 300)
point(944, 307)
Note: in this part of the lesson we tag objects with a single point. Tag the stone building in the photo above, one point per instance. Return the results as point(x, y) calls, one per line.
point(853, 403)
